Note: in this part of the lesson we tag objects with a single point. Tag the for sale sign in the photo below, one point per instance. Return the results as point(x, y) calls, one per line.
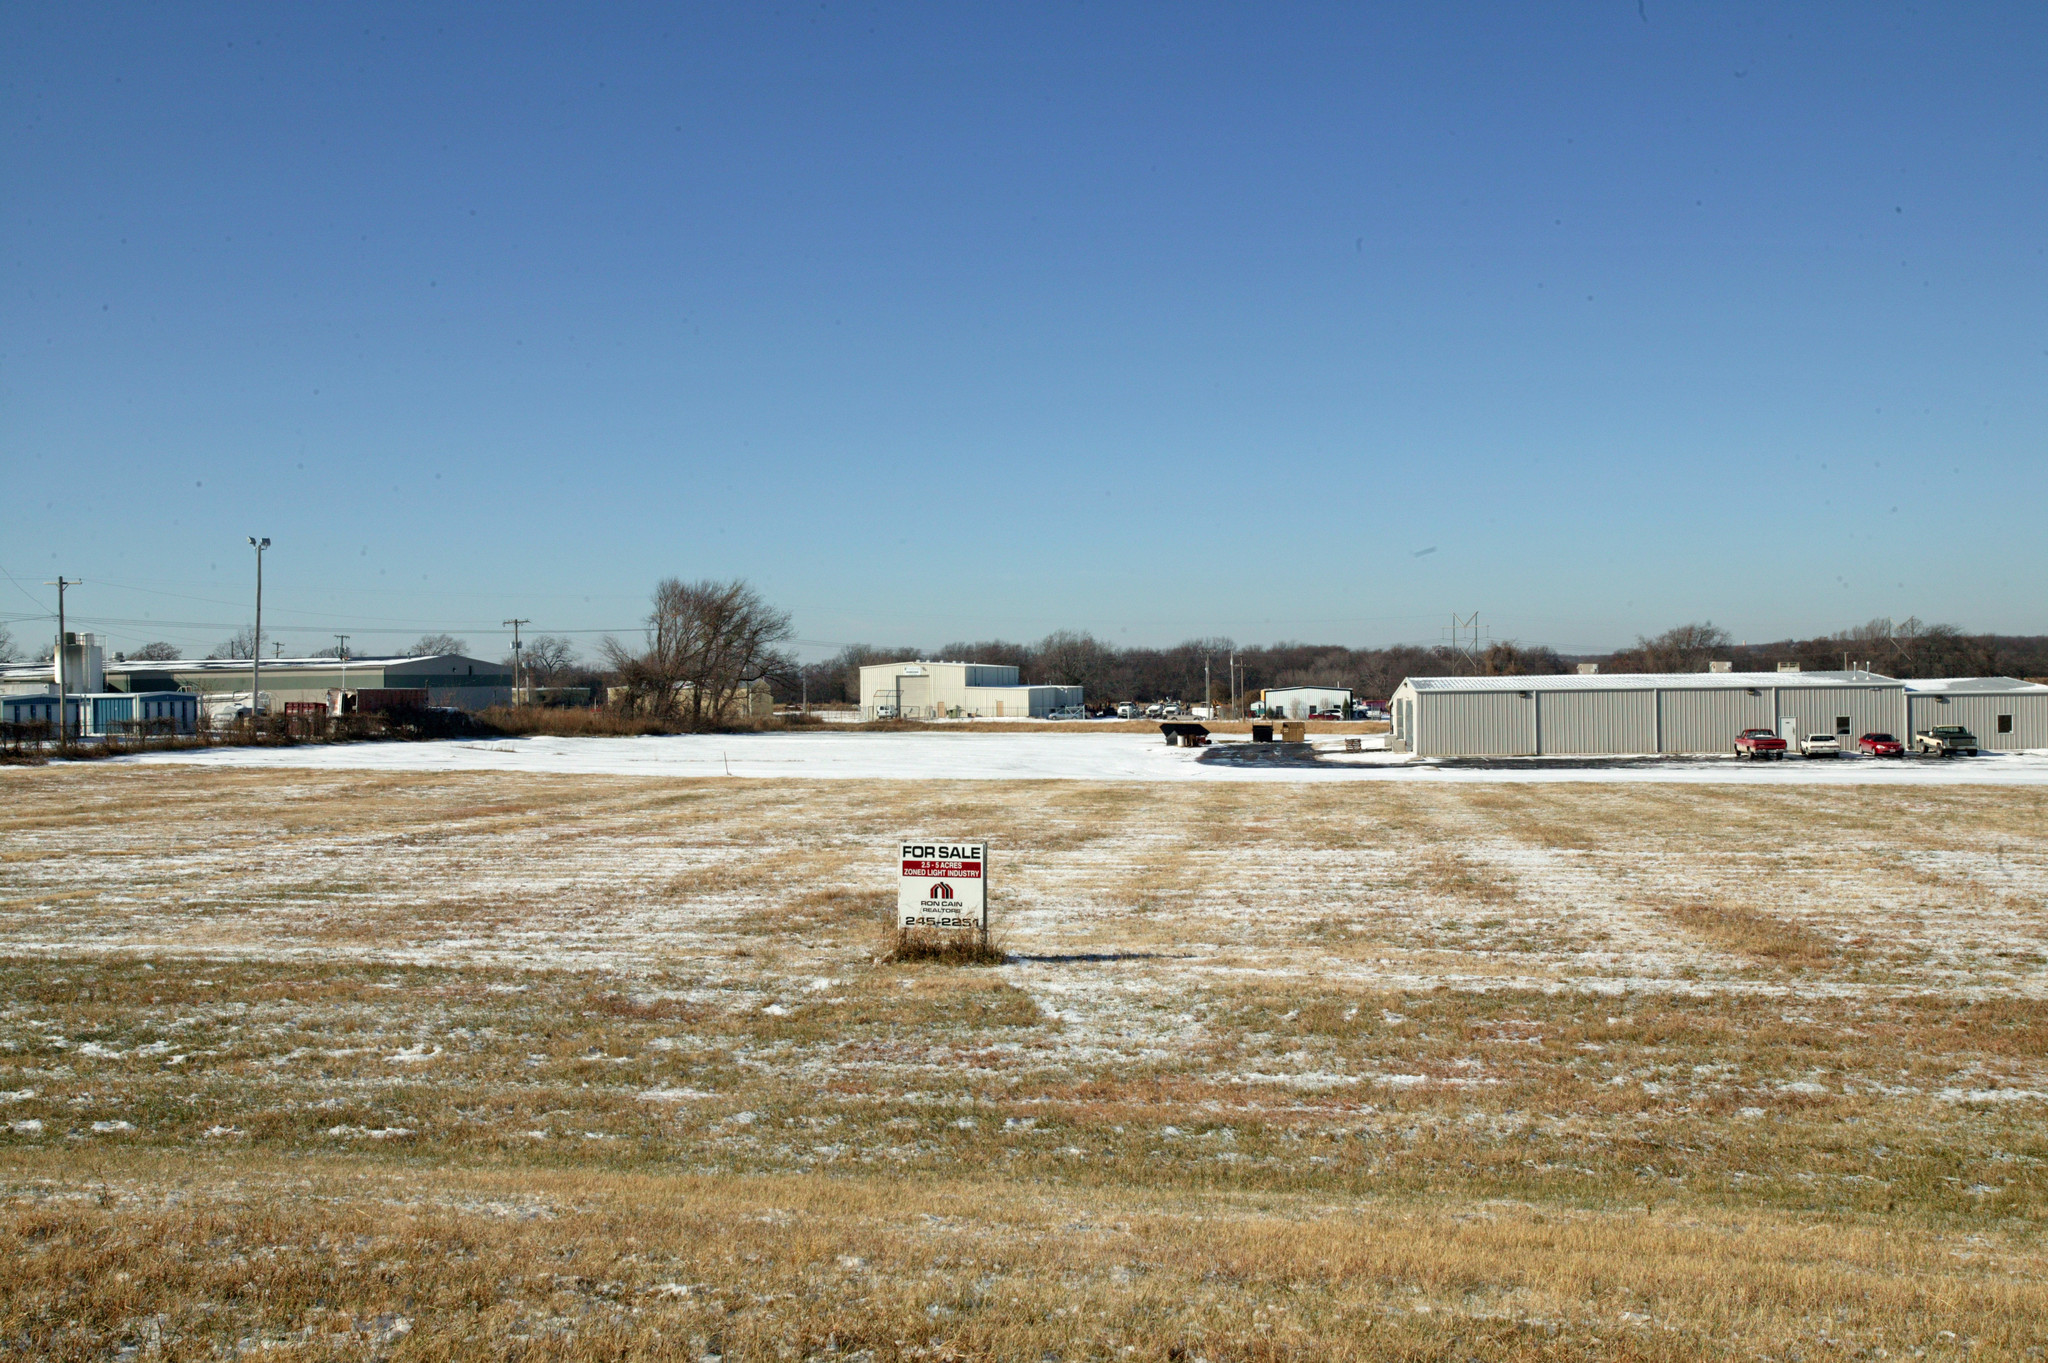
point(943, 885)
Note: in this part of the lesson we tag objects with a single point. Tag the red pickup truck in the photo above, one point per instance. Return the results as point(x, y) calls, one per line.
point(1759, 745)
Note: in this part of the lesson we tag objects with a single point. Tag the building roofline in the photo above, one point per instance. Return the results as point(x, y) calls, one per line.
point(243, 664)
point(1648, 681)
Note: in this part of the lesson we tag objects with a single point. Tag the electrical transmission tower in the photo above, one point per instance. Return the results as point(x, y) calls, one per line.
point(1463, 638)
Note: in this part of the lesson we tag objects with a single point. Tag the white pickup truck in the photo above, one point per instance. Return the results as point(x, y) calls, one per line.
point(1945, 740)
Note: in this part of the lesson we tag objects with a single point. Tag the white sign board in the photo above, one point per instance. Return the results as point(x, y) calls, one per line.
point(943, 885)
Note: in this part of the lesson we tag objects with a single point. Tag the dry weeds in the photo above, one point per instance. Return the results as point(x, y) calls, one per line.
point(472, 1066)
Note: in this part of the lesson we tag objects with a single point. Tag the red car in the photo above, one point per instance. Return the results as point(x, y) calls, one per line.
point(1880, 745)
point(1759, 745)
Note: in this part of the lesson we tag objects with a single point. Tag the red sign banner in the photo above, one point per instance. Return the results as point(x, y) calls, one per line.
point(943, 870)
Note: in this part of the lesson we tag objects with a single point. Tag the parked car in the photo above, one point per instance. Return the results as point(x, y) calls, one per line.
point(1759, 745)
point(1880, 745)
point(1127, 711)
point(1945, 740)
point(1820, 745)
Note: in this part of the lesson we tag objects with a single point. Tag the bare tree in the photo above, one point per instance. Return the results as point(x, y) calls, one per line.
point(1683, 648)
point(1511, 659)
point(1067, 658)
point(8, 652)
point(428, 645)
point(546, 657)
point(158, 652)
point(705, 640)
point(241, 645)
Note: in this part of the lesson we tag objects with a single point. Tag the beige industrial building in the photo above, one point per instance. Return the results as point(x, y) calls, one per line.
point(953, 690)
point(753, 699)
point(1299, 702)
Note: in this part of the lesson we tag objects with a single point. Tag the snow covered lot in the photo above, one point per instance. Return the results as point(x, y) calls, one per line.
point(259, 1018)
point(1052, 756)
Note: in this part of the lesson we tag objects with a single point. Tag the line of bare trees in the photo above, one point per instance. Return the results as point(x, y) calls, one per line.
point(1907, 648)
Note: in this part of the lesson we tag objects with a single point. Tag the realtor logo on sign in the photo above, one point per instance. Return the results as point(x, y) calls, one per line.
point(943, 885)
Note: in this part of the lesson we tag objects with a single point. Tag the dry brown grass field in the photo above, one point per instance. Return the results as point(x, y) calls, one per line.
point(325, 1065)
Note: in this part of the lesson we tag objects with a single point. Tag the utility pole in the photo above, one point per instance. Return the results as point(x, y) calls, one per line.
point(515, 656)
point(1208, 696)
point(342, 641)
point(63, 681)
point(256, 644)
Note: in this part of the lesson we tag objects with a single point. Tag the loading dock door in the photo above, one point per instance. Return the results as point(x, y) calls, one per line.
point(913, 696)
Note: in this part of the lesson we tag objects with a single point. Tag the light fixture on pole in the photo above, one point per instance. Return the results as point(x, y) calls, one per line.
point(256, 643)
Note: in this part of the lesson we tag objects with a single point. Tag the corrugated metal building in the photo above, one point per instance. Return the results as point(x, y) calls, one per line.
point(1296, 702)
point(2005, 714)
point(1621, 713)
point(955, 690)
point(448, 678)
point(107, 712)
point(40, 711)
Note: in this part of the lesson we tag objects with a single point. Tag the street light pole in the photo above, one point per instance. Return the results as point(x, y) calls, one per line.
point(63, 679)
point(256, 644)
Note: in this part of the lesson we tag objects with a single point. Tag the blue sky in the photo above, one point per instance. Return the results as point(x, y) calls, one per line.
point(942, 322)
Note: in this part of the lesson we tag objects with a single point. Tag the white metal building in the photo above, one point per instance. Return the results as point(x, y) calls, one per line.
point(1623, 713)
point(2005, 714)
point(953, 690)
point(1296, 702)
point(447, 678)
point(82, 667)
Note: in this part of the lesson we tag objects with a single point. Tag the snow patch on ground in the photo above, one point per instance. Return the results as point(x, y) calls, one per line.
point(1049, 757)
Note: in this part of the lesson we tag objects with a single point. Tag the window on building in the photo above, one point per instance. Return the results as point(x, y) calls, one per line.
point(2005, 724)
point(1841, 724)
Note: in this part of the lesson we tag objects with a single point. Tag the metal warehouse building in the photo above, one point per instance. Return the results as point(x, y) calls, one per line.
point(1655, 712)
point(447, 678)
point(2005, 714)
point(1296, 702)
point(941, 690)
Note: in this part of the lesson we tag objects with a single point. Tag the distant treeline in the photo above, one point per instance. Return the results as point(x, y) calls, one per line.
point(1108, 673)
